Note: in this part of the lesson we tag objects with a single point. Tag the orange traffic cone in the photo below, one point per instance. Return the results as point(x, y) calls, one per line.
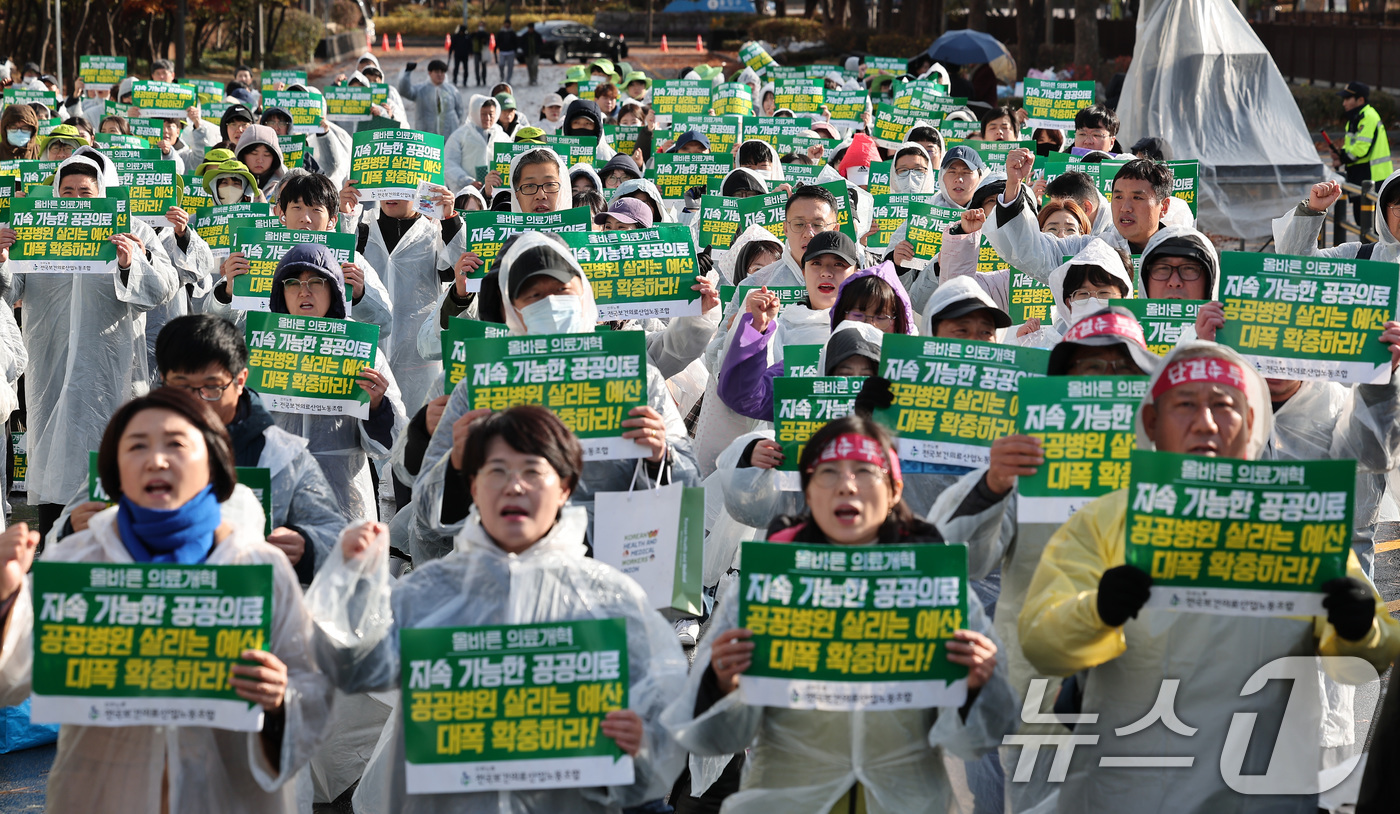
point(664, 48)
point(699, 45)
point(385, 45)
point(398, 42)
point(447, 42)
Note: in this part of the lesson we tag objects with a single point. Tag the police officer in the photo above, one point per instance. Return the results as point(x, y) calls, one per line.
point(1365, 152)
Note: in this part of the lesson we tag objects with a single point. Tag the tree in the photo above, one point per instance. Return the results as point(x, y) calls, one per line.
point(1086, 34)
point(977, 15)
point(1025, 36)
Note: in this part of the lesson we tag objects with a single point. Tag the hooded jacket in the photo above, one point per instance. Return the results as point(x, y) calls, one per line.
point(653, 194)
point(588, 108)
point(619, 162)
point(586, 169)
point(775, 171)
point(901, 186)
point(260, 134)
point(1297, 231)
point(14, 117)
point(1176, 240)
point(234, 113)
point(566, 191)
point(733, 262)
point(1097, 254)
point(469, 146)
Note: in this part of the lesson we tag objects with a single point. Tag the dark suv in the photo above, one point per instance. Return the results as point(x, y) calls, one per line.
point(565, 40)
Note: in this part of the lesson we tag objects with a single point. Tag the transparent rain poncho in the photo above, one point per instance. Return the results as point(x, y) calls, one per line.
point(361, 612)
point(198, 769)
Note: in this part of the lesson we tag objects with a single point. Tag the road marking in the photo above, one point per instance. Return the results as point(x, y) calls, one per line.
point(1389, 545)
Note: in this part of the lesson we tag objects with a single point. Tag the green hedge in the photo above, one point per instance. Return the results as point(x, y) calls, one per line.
point(420, 26)
point(1321, 107)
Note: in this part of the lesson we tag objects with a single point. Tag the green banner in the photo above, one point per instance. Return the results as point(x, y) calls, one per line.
point(847, 107)
point(310, 365)
point(925, 232)
point(841, 628)
point(719, 221)
point(7, 195)
point(673, 97)
point(1086, 432)
point(804, 404)
point(293, 149)
point(454, 345)
point(801, 96)
point(893, 66)
point(487, 231)
point(264, 248)
point(754, 56)
point(1186, 180)
point(622, 137)
point(387, 164)
point(994, 152)
point(150, 128)
point(1030, 299)
point(590, 381)
point(205, 90)
point(1247, 538)
point(573, 149)
point(953, 397)
point(67, 235)
point(769, 128)
point(100, 72)
point(162, 100)
point(117, 140)
point(307, 109)
point(732, 98)
point(212, 223)
point(283, 76)
point(36, 174)
point(1162, 321)
point(890, 213)
point(501, 155)
point(19, 461)
point(640, 273)
point(723, 132)
point(214, 111)
point(153, 188)
point(802, 360)
point(23, 96)
point(147, 645)
point(922, 97)
point(674, 173)
point(892, 125)
point(259, 481)
point(878, 181)
point(346, 103)
point(1052, 103)
point(1314, 318)
point(956, 131)
point(513, 707)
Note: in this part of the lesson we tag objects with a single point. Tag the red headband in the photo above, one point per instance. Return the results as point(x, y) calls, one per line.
point(1107, 325)
point(852, 446)
point(1200, 369)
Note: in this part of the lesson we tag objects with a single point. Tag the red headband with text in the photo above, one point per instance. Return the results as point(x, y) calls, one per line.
point(1201, 369)
point(852, 446)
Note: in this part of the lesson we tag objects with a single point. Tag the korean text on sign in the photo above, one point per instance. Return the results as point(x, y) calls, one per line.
point(310, 365)
point(640, 273)
point(387, 164)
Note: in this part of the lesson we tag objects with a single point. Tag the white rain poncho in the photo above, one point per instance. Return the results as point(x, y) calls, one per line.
point(86, 338)
point(566, 191)
point(1099, 255)
point(1212, 656)
point(1296, 232)
point(430, 531)
point(1201, 79)
point(331, 150)
point(194, 768)
point(196, 270)
point(635, 185)
point(804, 761)
point(436, 108)
point(725, 259)
point(470, 147)
point(480, 584)
point(904, 185)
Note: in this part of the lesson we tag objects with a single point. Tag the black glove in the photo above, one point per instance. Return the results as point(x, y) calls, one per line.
point(875, 394)
point(1350, 607)
point(410, 66)
point(1123, 590)
point(695, 192)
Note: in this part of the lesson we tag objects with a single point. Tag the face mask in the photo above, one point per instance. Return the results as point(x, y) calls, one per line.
point(18, 138)
point(910, 180)
point(559, 314)
point(1080, 309)
point(228, 195)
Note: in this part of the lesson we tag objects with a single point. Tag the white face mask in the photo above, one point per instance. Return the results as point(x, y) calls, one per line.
point(1078, 310)
point(909, 181)
point(559, 314)
point(230, 194)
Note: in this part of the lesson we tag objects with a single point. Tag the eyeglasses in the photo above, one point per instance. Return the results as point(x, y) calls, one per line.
point(208, 392)
point(315, 285)
point(1102, 367)
point(905, 173)
point(873, 319)
point(531, 189)
point(1106, 294)
point(1100, 135)
point(829, 476)
point(498, 477)
point(798, 227)
point(1188, 272)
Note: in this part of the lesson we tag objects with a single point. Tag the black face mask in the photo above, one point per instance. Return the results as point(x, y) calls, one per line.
point(1045, 148)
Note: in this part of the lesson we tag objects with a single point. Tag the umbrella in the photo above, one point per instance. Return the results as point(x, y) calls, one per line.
point(967, 47)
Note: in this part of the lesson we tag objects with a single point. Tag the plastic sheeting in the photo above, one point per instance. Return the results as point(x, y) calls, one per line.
point(1202, 80)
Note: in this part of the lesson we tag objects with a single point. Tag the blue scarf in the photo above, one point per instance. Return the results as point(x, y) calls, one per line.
point(184, 535)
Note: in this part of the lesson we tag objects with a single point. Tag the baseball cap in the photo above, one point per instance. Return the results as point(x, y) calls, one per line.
point(537, 262)
point(507, 101)
point(553, 100)
point(966, 155)
point(627, 210)
point(848, 342)
point(1355, 89)
point(836, 243)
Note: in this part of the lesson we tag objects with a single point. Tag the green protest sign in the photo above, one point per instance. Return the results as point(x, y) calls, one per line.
point(754, 56)
point(153, 187)
point(671, 97)
point(802, 360)
point(639, 273)
point(769, 128)
point(732, 98)
point(892, 126)
point(1162, 321)
point(1086, 433)
point(622, 137)
point(573, 149)
point(293, 149)
point(804, 404)
point(674, 173)
point(121, 140)
point(590, 381)
point(994, 152)
point(212, 223)
point(953, 397)
point(147, 645)
point(95, 492)
point(890, 213)
point(101, 72)
point(19, 461)
point(214, 111)
point(67, 235)
point(24, 96)
point(1030, 299)
point(801, 144)
point(36, 174)
point(893, 66)
point(513, 707)
point(791, 73)
point(310, 365)
point(264, 248)
point(878, 180)
point(454, 345)
point(802, 96)
point(723, 132)
point(380, 92)
point(842, 629)
point(920, 97)
point(50, 125)
point(305, 107)
point(501, 155)
point(848, 107)
point(193, 196)
point(347, 103)
point(1052, 103)
point(205, 90)
point(1245, 538)
point(719, 221)
point(1313, 318)
point(150, 128)
point(959, 131)
point(734, 296)
point(259, 481)
point(279, 79)
point(1186, 179)
point(7, 194)
point(802, 173)
point(377, 122)
point(487, 231)
point(162, 100)
point(387, 164)
point(926, 224)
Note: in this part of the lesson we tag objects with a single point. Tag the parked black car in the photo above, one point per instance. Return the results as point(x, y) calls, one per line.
point(565, 40)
